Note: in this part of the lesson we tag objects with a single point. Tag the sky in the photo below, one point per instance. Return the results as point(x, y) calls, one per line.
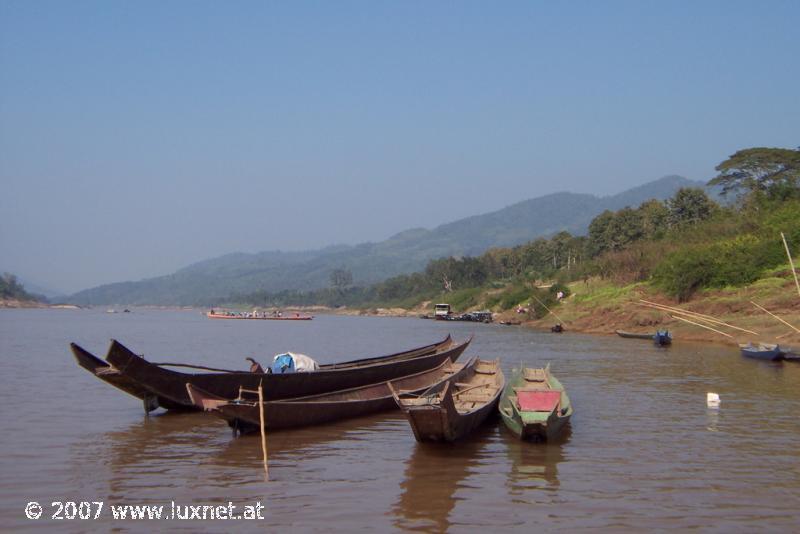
point(139, 137)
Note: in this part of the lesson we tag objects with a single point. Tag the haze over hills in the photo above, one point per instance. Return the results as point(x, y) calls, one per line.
point(211, 281)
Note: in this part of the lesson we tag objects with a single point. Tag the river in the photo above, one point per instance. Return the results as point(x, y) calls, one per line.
point(643, 450)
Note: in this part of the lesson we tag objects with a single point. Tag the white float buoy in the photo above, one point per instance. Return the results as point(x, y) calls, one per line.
point(712, 399)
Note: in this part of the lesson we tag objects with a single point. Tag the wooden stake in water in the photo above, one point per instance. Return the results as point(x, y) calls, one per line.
point(263, 429)
point(791, 262)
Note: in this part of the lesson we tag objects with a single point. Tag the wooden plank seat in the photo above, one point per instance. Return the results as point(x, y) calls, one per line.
point(475, 397)
point(535, 375)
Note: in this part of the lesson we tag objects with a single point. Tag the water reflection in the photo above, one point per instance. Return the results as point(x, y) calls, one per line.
point(153, 447)
point(712, 419)
point(287, 447)
point(433, 474)
point(534, 465)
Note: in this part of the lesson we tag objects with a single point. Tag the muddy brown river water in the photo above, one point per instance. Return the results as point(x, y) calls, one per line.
point(643, 451)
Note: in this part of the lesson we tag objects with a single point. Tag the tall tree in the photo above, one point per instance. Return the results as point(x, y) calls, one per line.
point(773, 171)
point(599, 238)
point(654, 218)
point(689, 205)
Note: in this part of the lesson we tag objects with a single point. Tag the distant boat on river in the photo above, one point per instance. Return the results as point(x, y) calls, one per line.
point(264, 316)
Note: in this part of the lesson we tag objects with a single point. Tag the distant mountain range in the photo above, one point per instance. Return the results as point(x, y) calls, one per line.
point(211, 281)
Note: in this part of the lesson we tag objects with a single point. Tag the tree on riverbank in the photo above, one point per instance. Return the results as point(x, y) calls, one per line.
point(774, 172)
point(12, 289)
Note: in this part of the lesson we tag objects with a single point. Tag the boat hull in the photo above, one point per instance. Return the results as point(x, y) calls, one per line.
point(439, 417)
point(633, 335)
point(326, 408)
point(761, 352)
point(532, 425)
point(110, 375)
point(662, 339)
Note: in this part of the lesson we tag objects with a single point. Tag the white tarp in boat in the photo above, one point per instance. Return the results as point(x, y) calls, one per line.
point(293, 362)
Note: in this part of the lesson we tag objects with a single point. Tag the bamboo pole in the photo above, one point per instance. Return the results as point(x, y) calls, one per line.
point(701, 326)
point(693, 315)
point(263, 430)
point(775, 316)
point(791, 262)
point(702, 315)
point(548, 309)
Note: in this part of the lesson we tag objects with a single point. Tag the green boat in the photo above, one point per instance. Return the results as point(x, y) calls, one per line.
point(534, 405)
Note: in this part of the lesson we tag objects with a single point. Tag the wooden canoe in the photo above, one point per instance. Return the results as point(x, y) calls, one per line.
point(762, 351)
point(534, 405)
point(633, 335)
point(170, 385)
point(242, 413)
point(451, 410)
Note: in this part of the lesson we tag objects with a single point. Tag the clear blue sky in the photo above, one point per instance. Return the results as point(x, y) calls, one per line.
point(139, 137)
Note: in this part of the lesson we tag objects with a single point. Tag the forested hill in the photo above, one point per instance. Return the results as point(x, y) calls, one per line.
point(210, 281)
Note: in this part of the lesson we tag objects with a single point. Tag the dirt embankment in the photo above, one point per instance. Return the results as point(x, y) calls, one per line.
point(624, 310)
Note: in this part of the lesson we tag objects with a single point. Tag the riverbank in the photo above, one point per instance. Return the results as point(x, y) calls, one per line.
point(16, 303)
point(600, 307)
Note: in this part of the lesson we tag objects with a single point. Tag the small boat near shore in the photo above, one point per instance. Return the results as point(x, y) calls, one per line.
point(662, 338)
point(633, 335)
point(243, 415)
point(763, 351)
point(451, 410)
point(534, 405)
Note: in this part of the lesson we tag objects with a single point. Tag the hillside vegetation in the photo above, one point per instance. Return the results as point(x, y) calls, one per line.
point(211, 281)
point(678, 247)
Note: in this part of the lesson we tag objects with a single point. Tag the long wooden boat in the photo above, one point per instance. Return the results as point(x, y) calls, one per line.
point(534, 405)
point(260, 317)
point(169, 385)
point(633, 335)
point(451, 410)
point(242, 413)
point(762, 351)
point(111, 375)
